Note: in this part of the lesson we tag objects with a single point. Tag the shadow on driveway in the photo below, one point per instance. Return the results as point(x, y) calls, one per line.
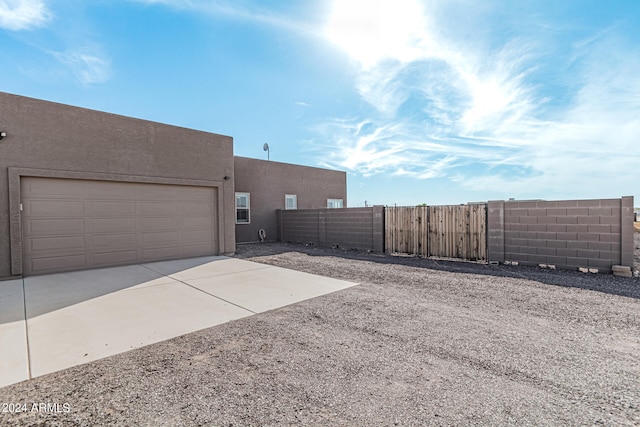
point(50, 292)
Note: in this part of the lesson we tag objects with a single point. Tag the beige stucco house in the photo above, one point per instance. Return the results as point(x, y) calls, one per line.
point(85, 189)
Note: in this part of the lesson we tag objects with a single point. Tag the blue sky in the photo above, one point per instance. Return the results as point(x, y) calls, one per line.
point(419, 101)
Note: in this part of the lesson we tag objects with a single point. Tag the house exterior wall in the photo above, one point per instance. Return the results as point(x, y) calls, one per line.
point(268, 182)
point(568, 233)
point(53, 140)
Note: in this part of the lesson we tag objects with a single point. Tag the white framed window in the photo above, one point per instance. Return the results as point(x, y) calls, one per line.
point(334, 203)
point(290, 201)
point(243, 206)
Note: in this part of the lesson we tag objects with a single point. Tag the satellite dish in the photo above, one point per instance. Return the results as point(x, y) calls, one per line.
point(265, 147)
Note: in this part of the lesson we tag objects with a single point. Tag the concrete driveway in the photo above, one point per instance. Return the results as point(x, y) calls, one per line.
point(53, 322)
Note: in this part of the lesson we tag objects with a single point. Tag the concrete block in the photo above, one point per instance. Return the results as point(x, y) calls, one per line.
point(567, 236)
point(537, 212)
point(567, 252)
point(547, 251)
point(593, 270)
point(593, 203)
point(567, 204)
point(583, 269)
point(528, 220)
point(599, 211)
point(514, 241)
point(612, 256)
point(547, 220)
point(588, 237)
point(588, 220)
point(613, 203)
point(611, 238)
point(621, 270)
point(534, 243)
point(589, 254)
point(561, 228)
point(567, 220)
point(599, 228)
point(578, 212)
point(610, 220)
point(519, 227)
point(574, 244)
point(547, 235)
point(557, 212)
point(598, 246)
point(574, 228)
point(557, 244)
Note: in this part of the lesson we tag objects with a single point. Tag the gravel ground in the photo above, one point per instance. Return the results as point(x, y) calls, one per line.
point(418, 342)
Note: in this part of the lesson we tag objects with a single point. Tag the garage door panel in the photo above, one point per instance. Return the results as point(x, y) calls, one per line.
point(105, 190)
point(76, 224)
point(70, 189)
point(110, 225)
point(197, 223)
point(54, 208)
point(160, 253)
point(114, 258)
point(108, 241)
point(196, 237)
point(197, 250)
point(163, 238)
point(197, 209)
point(59, 263)
point(112, 208)
point(160, 223)
point(159, 208)
point(54, 226)
point(38, 244)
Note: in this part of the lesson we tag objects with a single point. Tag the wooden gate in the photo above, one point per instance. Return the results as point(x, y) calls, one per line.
point(458, 231)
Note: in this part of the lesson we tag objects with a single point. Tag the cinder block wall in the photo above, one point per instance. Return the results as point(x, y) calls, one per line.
point(351, 228)
point(567, 234)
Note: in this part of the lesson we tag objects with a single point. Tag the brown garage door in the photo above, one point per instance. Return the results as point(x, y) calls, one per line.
point(76, 224)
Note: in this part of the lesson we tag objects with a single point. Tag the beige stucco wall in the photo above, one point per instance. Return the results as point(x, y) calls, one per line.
point(50, 139)
point(269, 181)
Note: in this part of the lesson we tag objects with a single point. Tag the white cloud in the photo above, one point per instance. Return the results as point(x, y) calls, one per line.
point(479, 114)
point(87, 64)
point(236, 10)
point(16, 15)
